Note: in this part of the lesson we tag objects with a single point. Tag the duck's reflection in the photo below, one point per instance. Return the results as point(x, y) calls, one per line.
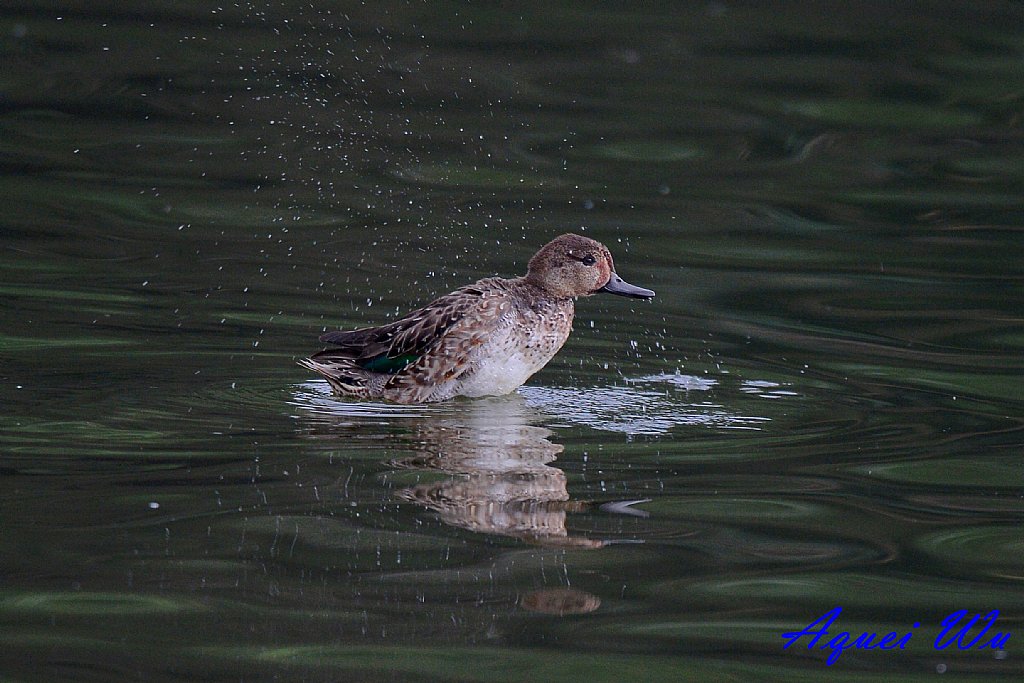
point(496, 466)
point(499, 480)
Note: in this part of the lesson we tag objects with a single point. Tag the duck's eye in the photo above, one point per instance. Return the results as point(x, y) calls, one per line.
point(588, 260)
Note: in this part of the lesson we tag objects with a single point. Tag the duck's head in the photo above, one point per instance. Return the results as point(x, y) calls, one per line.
point(572, 265)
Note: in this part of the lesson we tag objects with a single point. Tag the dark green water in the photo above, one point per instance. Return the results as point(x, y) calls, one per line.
point(823, 406)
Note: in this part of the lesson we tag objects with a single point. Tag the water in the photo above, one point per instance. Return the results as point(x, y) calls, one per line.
point(821, 408)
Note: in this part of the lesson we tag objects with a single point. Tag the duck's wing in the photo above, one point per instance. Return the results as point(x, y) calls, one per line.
point(465, 315)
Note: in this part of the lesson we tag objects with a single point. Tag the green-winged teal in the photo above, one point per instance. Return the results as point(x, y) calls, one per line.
point(484, 339)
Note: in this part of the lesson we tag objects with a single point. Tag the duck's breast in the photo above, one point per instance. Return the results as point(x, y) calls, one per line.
point(517, 350)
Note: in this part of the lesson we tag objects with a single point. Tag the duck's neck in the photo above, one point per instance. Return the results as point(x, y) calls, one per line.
point(536, 292)
point(537, 289)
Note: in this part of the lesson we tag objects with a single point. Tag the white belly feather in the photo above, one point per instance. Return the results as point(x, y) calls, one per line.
point(500, 374)
point(511, 357)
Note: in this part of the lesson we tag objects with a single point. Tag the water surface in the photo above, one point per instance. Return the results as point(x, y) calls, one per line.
point(821, 408)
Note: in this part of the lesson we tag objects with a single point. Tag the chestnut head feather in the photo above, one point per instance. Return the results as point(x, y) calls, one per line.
point(572, 265)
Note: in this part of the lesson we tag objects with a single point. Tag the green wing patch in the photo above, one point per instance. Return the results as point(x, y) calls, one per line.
point(386, 365)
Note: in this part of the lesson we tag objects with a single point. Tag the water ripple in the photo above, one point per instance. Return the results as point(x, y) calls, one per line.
point(650, 406)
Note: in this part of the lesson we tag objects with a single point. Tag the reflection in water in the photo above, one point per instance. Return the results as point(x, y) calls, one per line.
point(560, 601)
point(498, 477)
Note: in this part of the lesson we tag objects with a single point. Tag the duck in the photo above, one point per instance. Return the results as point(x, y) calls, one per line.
point(483, 339)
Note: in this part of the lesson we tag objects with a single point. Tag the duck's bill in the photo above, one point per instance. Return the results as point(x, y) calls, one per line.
point(616, 285)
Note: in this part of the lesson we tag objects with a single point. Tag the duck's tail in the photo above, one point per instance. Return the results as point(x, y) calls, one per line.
point(344, 376)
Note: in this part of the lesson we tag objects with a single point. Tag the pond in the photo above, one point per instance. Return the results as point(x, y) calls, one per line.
point(821, 409)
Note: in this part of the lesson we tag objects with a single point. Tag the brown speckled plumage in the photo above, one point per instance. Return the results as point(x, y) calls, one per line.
point(486, 338)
